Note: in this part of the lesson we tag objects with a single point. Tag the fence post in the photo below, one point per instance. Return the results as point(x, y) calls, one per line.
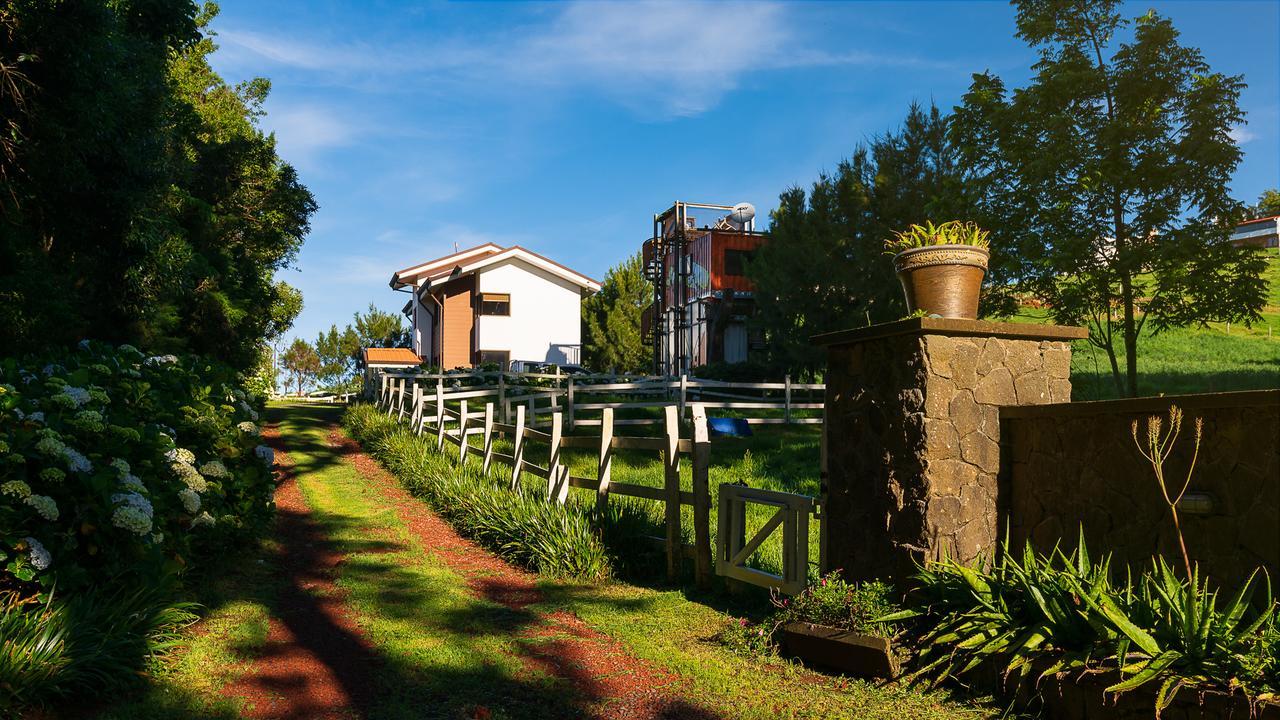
point(569, 402)
point(531, 416)
point(786, 413)
point(439, 414)
point(701, 498)
point(671, 461)
point(382, 389)
point(517, 453)
point(488, 438)
point(417, 404)
point(462, 433)
point(400, 401)
point(684, 392)
point(502, 396)
point(557, 475)
point(606, 459)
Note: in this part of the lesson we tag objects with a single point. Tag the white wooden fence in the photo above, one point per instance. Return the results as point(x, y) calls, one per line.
point(456, 417)
point(582, 399)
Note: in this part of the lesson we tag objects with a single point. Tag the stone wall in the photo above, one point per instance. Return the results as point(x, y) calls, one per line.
point(1068, 465)
point(912, 435)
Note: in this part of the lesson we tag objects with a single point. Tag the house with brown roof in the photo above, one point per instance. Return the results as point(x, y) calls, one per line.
point(1259, 232)
point(494, 304)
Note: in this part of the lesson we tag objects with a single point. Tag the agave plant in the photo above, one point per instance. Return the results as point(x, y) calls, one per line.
point(1012, 613)
point(953, 232)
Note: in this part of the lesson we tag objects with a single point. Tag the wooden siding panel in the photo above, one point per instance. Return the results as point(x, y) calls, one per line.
point(458, 323)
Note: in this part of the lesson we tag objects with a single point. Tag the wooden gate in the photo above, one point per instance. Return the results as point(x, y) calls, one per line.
point(733, 549)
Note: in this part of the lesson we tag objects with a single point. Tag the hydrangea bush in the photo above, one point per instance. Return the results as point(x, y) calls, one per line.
point(116, 466)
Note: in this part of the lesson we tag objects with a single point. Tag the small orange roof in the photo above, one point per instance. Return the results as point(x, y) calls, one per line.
point(391, 356)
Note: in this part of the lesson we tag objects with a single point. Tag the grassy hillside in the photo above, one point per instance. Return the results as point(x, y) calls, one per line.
point(1190, 360)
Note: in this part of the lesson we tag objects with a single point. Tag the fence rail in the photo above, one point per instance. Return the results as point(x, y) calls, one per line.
point(582, 399)
point(430, 413)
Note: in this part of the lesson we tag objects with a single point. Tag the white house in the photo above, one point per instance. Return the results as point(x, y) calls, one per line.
point(494, 304)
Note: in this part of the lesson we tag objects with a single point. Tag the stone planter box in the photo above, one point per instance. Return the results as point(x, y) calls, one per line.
point(862, 656)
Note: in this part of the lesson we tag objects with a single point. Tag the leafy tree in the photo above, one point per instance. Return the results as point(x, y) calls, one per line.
point(1268, 204)
point(1107, 177)
point(611, 319)
point(141, 201)
point(301, 361)
point(824, 267)
point(341, 352)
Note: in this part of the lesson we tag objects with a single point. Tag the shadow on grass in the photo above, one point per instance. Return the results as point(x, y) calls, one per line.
point(425, 647)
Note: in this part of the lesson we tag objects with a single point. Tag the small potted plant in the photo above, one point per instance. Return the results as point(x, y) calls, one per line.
point(834, 624)
point(941, 267)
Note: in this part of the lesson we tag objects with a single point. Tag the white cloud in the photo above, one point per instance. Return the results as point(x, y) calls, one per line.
point(661, 58)
point(1241, 135)
point(303, 130)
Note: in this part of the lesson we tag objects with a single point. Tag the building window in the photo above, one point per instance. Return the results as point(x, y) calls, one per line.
point(735, 262)
point(495, 304)
point(501, 357)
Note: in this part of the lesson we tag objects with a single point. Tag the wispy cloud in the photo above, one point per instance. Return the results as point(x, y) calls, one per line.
point(670, 59)
point(1241, 135)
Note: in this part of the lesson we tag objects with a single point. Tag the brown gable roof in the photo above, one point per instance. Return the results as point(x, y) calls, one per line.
point(391, 356)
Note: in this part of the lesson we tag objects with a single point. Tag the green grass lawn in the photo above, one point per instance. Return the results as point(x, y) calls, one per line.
point(1215, 358)
point(443, 651)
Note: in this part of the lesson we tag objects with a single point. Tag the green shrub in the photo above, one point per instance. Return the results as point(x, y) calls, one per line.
point(855, 607)
point(1065, 610)
point(117, 469)
point(520, 525)
point(93, 642)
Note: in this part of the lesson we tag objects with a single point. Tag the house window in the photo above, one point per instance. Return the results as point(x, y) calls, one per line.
point(501, 357)
point(495, 304)
point(735, 262)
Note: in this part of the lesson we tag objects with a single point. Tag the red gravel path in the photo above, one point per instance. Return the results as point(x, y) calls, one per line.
point(610, 683)
point(315, 663)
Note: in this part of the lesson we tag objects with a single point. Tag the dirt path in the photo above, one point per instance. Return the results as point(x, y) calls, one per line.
point(608, 680)
point(315, 663)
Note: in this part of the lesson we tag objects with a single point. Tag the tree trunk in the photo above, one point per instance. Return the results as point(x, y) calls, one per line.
point(1130, 336)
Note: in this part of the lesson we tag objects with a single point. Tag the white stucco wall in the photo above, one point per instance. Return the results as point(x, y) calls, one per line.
point(422, 319)
point(545, 313)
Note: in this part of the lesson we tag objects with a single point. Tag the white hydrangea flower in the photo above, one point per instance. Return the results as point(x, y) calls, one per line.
point(77, 462)
point(79, 395)
point(44, 505)
point(214, 469)
point(189, 476)
point(157, 537)
point(265, 454)
point(248, 428)
point(133, 514)
point(129, 481)
point(52, 475)
point(50, 446)
point(39, 557)
point(89, 420)
point(181, 455)
point(202, 519)
point(190, 499)
point(158, 360)
point(121, 465)
point(36, 417)
point(15, 488)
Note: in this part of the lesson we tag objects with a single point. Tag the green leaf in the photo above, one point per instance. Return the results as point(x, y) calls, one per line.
point(1147, 671)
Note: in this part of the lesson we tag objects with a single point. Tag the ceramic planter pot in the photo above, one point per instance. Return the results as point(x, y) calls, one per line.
point(942, 280)
point(863, 656)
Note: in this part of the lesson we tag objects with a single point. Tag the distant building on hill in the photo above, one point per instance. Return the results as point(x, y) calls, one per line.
point(494, 304)
point(1260, 232)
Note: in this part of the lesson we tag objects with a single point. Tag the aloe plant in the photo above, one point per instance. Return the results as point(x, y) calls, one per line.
point(953, 232)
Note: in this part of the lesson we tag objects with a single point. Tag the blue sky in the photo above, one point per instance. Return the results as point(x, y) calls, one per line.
point(565, 126)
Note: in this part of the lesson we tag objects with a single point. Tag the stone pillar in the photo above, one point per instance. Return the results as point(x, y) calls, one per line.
point(913, 434)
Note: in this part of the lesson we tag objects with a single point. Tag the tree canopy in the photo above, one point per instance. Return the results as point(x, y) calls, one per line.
point(340, 352)
point(141, 201)
point(824, 267)
point(611, 319)
point(1104, 180)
